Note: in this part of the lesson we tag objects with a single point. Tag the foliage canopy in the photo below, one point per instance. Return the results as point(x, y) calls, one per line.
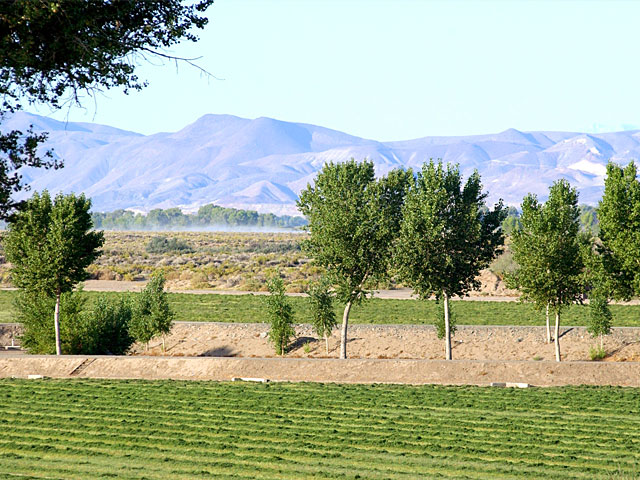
point(54, 52)
point(619, 216)
point(152, 315)
point(353, 221)
point(446, 237)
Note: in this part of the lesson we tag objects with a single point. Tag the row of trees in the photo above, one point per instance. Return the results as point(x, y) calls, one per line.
point(432, 231)
point(207, 216)
point(559, 263)
point(49, 244)
point(436, 234)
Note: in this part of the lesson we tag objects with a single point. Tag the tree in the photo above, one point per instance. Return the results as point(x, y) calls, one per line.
point(55, 52)
point(50, 245)
point(619, 217)
point(353, 220)
point(600, 318)
point(152, 315)
point(280, 315)
point(549, 252)
point(324, 316)
point(447, 236)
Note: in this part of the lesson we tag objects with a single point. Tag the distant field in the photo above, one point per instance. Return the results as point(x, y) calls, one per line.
point(222, 260)
point(84, 430)
point(251, 309)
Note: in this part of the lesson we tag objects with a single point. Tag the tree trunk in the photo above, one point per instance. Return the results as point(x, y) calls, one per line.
point(557, 336)
point(326, 342)
point(345, 324)
point(601, 342)
point(163, 344)
point(549, 340)
point(56, 323)
point(447, 328)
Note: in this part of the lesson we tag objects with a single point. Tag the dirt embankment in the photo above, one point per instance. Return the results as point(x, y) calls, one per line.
point(455, 372)
point(397, 341)
point(199, 339)
point(378, 353)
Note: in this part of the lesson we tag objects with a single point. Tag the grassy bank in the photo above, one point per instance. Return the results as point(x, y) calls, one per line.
point(251, 308)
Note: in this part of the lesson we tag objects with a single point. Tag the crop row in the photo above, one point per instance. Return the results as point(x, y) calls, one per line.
point(136, 429)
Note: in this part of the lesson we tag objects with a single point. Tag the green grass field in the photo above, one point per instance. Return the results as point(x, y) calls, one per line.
point(81, 429)
point(251, 309)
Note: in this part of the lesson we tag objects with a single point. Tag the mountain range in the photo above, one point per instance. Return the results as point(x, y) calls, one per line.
point(262, 164)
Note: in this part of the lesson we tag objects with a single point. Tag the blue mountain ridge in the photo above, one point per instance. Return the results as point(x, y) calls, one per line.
point(262, 164)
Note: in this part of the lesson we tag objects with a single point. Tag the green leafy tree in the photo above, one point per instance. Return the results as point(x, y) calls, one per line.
point(549, 252)
point(324, 316)
point(600, 318)
point(152, 315)
point(619, 221)
point(353, 221)
point(50, 245)
point(447, 236)
point(55, 52)
point(280, 315)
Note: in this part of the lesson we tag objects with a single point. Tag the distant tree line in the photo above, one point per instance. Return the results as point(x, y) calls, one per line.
point(207, 216)
point(588, 220)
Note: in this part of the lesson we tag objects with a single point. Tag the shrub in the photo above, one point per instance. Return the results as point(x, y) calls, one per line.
point(166, 245)
point(151, 314)
point(35, 312)
point(102, 330)
point(280, 315)
point(324, 316)
point(107, 326)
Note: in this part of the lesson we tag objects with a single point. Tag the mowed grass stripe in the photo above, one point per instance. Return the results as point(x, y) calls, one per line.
point(311, 447)
point(387, 448)
point(552, 419)
point(473, 431)
point(241, 460)
point(470, 428)
point(354, 398)
point(613, 429)
point(495, 446)
point(451, 464)
point(251, 309)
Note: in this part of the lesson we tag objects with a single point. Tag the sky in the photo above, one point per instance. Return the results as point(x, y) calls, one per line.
point(396, 69)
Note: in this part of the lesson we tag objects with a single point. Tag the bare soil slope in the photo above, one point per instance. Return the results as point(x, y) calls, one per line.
point(397, 341)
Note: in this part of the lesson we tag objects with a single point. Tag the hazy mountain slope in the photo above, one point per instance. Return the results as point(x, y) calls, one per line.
point(264, 163)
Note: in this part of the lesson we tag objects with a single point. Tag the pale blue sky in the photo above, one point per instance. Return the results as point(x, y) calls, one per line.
point(400, 69)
